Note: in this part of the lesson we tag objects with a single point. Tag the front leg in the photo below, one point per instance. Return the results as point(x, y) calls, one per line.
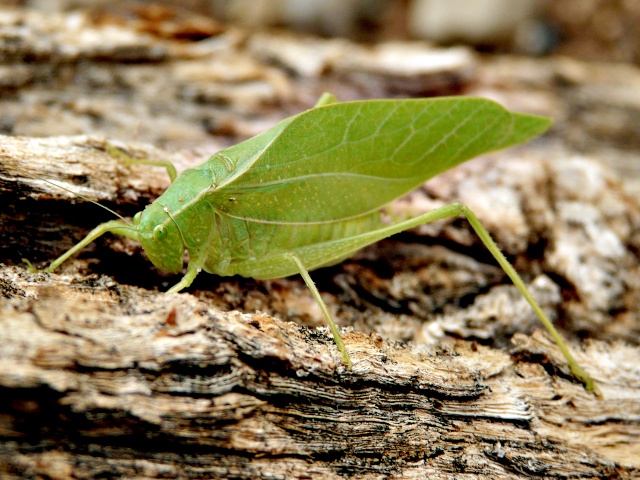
point(119, 227)
point(194, 267)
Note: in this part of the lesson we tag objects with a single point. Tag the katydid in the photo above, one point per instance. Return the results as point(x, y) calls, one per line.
point(308, 193)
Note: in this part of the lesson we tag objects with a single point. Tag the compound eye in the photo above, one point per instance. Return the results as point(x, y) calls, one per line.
point(159, 233)
point(136, 218)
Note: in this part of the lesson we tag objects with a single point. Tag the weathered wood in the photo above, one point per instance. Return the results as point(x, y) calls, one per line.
point(101, 374)
point(123, 382)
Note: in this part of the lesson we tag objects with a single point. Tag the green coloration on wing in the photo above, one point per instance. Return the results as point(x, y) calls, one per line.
point(317, 181)
point(324, 174)
point(345, 159)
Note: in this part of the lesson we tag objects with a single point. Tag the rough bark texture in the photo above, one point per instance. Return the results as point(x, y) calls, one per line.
point(102, 375)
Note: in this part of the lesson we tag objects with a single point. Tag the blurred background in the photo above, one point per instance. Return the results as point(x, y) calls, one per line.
point(606, 30)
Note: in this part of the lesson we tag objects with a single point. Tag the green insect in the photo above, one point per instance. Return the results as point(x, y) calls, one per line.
point(308, 192)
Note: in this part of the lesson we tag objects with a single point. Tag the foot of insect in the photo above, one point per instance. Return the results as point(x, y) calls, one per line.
point(117, 153)
point(30, 266)
point(193, 269)
point(316, 294)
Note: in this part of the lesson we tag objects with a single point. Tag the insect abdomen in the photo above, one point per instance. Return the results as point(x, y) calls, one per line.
point(245, 248)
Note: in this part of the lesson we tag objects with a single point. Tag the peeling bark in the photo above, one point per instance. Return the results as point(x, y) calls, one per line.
point(104, 381)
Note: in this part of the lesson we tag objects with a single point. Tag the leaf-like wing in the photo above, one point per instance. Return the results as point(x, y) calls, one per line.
point(345, 159)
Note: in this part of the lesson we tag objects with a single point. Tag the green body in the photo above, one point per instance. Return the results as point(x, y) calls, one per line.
point(316, 179)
